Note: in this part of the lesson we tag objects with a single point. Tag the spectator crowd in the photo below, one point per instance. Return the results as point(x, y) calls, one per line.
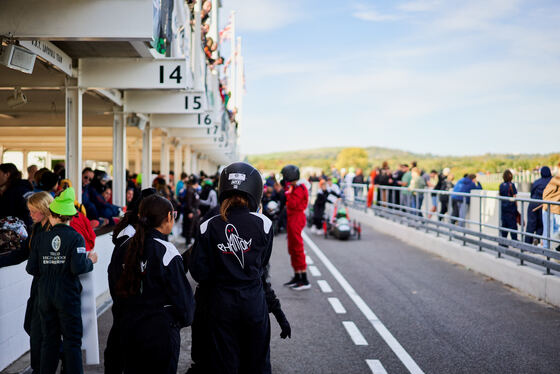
point(399, 189)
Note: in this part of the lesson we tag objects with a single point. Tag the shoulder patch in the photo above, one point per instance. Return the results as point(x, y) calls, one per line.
point(170, 251)
point(267, 223)
point(204, 225)
point(128, 231)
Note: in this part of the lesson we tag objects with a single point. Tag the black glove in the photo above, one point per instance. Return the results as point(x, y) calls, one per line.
point(284, 324)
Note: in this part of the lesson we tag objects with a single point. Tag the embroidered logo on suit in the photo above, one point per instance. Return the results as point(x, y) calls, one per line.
point(236, 245)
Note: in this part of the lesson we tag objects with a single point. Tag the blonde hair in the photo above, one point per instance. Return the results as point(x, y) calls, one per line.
point(41, 201)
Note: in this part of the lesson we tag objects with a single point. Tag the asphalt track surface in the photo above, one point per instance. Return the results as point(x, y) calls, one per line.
point(443, 317)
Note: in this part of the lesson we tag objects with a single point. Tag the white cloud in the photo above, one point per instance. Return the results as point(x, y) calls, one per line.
point(476, 14)
point(367, 13)
point(420, 5)
point(263, 15)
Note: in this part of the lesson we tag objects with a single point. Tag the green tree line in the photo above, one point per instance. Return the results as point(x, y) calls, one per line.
point(371, 157)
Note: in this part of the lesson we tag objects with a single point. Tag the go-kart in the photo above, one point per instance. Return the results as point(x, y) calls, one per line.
point(340, 226)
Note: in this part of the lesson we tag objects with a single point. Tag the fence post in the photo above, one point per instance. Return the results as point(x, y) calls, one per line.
point(450, 214)
point(463, 223)
point(521, 231)
point(500, 223)
point(480, 222)
point(548, 244)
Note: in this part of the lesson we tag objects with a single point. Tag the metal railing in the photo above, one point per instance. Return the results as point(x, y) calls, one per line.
point(414, 207)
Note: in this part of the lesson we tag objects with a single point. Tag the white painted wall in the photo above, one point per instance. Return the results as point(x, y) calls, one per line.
point(15, 284)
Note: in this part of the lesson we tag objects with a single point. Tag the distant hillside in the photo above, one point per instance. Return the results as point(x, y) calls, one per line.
point(324, 158)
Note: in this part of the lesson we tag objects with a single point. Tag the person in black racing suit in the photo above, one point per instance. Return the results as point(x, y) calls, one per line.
point(124, 230)
point(58, 258)
point(231, 331)
point(154, 297)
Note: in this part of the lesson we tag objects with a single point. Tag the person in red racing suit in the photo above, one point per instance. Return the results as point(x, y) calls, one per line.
point(297, 198)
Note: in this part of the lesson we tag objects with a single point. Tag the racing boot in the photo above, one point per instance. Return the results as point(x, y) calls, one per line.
point(295, 279)
point(302, 284)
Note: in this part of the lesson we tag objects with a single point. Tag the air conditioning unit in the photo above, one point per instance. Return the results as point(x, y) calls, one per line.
point(18, 58)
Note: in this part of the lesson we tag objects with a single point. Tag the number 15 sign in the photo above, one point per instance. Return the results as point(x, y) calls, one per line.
point(164, 102)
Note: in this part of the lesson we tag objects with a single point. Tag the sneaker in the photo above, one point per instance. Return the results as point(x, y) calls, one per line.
point(301, 285)
point(295, 279)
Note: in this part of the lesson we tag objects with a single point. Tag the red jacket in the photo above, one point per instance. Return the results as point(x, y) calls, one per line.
point(82, 225)
point(297, 199)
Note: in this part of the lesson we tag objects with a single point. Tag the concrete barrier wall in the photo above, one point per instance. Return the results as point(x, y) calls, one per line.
point(15, 284)
point(530, 281)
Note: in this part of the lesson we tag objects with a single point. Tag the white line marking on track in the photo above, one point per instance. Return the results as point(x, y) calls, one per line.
point(376, 367)
point(314, 270)
point(395, 346)
point(337, 305)
point(308, 260)
point(324, 286)
point(354, 333)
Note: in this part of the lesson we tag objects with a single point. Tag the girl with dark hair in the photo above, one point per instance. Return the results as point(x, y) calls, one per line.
point(231, 331)
point(12, 191)
point(508, 208)
point(123, 231)
point(151, 290)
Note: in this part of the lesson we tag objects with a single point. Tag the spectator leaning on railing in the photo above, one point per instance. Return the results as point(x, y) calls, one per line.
point(552, 193)
point(534, 211)
point(509, 211)
point(461, 203)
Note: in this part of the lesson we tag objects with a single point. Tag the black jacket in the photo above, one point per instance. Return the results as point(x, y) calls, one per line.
point(12, 202)
point(59, 259)
point(165, 287)
point(235, 254)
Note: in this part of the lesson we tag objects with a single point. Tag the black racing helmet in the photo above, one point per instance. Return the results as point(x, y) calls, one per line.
point(240, 177)
point(290, 173)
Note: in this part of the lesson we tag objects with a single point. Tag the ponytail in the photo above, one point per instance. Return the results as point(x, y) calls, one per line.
point(130, 218)
point(236, 200)
point(153, 211)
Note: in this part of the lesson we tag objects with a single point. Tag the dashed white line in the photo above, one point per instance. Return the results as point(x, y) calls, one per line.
point(308, 260)
point(376, 367)
point(337, 305)
point(354, 333)
point(324, 286)
point(314, 270)
point(395, 346)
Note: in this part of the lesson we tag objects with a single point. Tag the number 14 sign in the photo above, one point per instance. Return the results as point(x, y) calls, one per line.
point(135, 73)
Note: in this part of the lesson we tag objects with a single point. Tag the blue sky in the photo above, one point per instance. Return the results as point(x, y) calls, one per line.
point(446, 77)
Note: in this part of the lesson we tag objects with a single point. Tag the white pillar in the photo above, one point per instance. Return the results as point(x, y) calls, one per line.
point(147, 157)
point(138, 160)
point(194, 163)
point(74, 136)
point(48, 163)
point(187, 167)
point(25, 163)
point(164, 157)
point(119, 157)
point(178, 161)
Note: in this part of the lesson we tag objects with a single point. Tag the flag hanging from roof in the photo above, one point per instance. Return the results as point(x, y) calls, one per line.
point(225, 34)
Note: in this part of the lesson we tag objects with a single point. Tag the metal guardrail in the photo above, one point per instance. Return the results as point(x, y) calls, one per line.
point(458, 227)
